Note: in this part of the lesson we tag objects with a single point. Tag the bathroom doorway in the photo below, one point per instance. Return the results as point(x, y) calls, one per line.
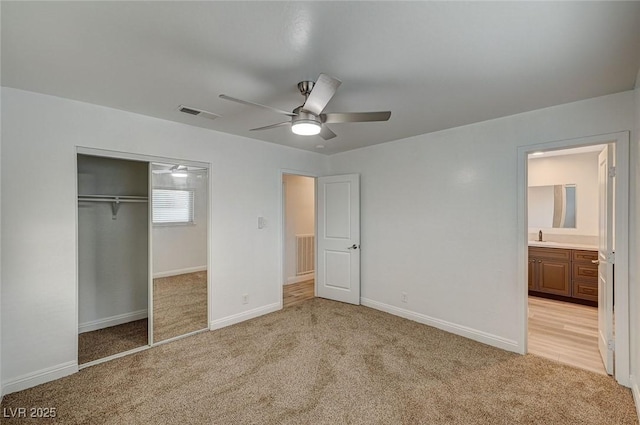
point(569, 247)
point(299, 246)
point(563, 278)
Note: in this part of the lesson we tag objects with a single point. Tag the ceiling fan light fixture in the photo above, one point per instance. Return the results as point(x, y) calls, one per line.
point(179, 171)
point(306, 127)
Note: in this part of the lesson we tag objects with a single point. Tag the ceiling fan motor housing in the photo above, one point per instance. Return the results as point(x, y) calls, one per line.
point(304, 116)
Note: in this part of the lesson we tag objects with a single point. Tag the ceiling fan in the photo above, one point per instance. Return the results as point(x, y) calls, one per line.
point(176, 170)
point(308, 119)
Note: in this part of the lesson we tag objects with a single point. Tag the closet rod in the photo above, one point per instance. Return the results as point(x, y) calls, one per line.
point(115, 201)
point(111, 197)
point(82, 198)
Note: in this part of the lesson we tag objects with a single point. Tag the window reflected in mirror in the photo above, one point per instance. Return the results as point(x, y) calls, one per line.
point(552, 206)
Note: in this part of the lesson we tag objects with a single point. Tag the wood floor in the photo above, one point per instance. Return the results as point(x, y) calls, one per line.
point(565, 332)
point(298, 292)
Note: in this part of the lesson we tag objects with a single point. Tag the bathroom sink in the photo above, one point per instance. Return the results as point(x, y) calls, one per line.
point(549, 244)
point(561, 245)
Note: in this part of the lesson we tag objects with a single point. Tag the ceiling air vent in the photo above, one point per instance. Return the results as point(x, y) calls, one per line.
point(199, 112)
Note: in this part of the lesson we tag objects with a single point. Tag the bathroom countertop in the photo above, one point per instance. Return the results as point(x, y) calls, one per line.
point(565, 245)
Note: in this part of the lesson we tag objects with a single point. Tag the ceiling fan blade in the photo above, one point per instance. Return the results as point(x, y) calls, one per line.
point(338, 117)
point(326, 133)
point(267, 127)
point(322, 92)
point(246, 102)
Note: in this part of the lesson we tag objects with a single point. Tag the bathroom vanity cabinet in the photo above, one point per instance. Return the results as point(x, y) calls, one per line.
point(567, 274)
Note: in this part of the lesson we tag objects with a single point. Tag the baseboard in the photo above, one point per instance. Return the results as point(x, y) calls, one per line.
point(635, 390)
point(39, 377)
point(180, 271)
point(474, 334)
point(302, 278)
point(246, 315)
point(119, 319)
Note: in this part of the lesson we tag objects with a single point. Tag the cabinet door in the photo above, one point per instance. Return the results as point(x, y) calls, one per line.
point(532, 274)
point(554, 277)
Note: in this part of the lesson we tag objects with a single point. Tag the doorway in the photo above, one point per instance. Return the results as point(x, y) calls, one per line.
point(563, 259)
point(563, 241)
point(299, 246)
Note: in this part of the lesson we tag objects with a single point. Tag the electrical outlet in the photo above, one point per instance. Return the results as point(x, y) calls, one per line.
point(245, 298)
point(403, 297)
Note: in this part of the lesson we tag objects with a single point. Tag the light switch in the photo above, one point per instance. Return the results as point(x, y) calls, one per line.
point(262, 223)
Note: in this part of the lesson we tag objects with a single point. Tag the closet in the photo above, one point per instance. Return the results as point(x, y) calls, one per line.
point(143, 235)
point(113, 256)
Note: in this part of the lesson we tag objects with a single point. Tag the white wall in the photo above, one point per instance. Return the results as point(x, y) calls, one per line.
point(299, 218)
point(579, 169)
point(40, 134)
point(182, 248)
point(439, 216)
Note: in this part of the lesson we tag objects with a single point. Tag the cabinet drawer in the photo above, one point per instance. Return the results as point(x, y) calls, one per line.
point(586, 271)
point(585, 291)
point(554, 253)
point(585, 256)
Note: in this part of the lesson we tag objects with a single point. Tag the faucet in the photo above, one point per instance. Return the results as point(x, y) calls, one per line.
point(540, 236)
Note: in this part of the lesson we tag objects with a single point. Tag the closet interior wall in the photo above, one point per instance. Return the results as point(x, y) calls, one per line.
point(113, 243)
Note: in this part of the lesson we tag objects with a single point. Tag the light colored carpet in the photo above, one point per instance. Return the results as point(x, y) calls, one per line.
point(106, 342)
point(324, 362)
point(179, 305)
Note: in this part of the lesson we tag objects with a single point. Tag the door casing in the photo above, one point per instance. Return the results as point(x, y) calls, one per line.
point(621, 284)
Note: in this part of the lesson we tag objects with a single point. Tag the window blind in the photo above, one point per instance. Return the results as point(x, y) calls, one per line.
point(172, 206)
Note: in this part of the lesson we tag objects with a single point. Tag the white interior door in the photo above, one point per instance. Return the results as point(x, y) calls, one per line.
point(605, 259)
point(338, 240)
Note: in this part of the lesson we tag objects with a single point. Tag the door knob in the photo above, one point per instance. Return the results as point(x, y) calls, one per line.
point(354, 246)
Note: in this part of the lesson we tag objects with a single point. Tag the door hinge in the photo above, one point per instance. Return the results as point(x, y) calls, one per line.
point(612, 171)
point(611, 258)
point(611, 345)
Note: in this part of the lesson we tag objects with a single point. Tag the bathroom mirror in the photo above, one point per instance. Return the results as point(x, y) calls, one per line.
point(552, 206)
point(180, 211)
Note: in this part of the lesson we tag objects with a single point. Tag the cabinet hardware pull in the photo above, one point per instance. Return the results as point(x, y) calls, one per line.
point(595, 261)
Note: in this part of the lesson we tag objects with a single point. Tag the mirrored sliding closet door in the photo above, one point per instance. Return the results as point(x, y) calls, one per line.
point(179, 210)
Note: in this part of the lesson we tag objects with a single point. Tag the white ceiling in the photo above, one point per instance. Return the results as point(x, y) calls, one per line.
point(435, 65)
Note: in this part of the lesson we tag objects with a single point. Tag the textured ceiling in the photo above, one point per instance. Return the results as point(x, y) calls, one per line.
point(435, 65)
